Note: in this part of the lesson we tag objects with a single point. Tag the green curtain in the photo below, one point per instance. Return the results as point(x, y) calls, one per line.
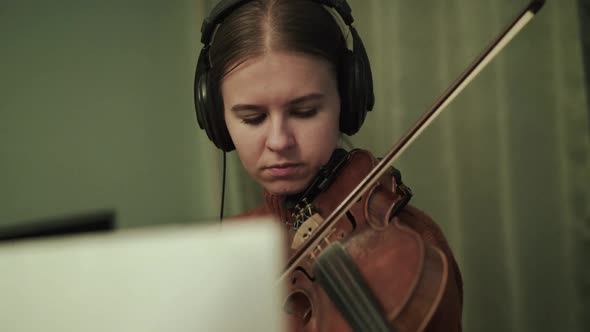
point(96, 112)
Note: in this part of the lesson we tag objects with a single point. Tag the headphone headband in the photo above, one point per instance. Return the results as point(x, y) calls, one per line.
point(221, 10)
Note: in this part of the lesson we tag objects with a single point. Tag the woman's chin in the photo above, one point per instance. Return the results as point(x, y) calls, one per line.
point(282, 189)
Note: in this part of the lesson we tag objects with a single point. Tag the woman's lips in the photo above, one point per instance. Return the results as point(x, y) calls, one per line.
point(283, 170)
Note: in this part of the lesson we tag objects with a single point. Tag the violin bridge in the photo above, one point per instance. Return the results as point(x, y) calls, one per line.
point(306, 230)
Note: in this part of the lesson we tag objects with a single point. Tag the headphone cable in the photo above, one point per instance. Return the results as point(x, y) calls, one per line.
point(222, 191)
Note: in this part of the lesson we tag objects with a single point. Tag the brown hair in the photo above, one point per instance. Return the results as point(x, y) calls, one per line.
point(260, 26)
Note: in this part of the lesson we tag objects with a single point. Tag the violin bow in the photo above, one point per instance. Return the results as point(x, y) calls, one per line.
point(315, 240)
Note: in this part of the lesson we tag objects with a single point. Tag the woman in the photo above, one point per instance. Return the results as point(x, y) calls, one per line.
point(277, 81)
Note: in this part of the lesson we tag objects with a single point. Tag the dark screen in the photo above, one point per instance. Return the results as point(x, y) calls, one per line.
point(95, 221)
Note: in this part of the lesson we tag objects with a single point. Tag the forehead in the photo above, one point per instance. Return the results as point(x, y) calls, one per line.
point(277, 77)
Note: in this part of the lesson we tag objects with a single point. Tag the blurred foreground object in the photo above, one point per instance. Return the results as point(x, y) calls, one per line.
point(180, 278)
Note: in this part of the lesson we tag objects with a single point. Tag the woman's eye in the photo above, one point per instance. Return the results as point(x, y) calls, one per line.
point(253, 120)
point(306, 113)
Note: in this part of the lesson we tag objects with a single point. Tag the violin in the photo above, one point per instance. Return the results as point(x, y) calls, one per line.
point(354, 263)
point(365, 252)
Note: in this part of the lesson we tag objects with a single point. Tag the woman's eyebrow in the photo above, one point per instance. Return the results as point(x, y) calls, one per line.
point(309, 97)
point(246, 107)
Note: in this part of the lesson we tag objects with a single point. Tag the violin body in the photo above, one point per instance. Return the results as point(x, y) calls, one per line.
point(371, 272)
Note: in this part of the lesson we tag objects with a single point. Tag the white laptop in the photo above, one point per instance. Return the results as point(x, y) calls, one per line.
point(173, 278)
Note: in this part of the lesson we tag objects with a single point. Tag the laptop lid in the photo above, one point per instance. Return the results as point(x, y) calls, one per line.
point(173, 278)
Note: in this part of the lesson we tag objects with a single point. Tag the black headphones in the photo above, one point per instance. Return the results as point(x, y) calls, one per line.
point(355, 78)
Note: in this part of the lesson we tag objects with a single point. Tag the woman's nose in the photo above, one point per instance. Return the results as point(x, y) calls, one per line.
point(280, 136)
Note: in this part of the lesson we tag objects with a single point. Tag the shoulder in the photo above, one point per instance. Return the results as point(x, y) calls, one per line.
point(424, 225)
point(430, 232)
point(449, 312)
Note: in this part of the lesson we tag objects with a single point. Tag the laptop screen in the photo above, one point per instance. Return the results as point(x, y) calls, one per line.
point(94, 221)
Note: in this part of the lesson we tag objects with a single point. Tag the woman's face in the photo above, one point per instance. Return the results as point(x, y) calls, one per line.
point(282, 111)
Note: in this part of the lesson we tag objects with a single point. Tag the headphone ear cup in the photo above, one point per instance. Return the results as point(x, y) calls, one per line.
point(201, 103)
point(347, 93)
point(209, 117)
point(360, 94)
point(218, 128)
point(364, 71)
point(356, 86)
